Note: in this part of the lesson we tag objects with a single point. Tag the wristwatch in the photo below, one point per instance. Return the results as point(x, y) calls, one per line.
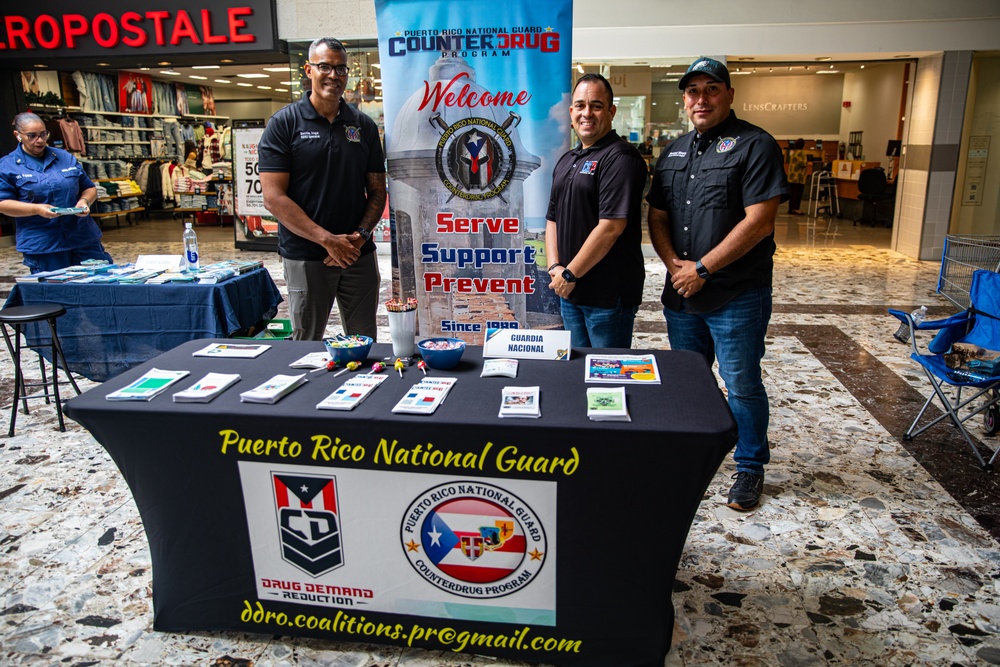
point(568, 276)
point(366, 234)
point(552, 266)
point(702, 271)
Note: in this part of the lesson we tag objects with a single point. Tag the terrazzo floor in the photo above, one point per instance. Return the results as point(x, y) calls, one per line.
point(863, 552)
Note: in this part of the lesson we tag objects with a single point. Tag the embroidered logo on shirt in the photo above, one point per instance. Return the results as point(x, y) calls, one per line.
point(677, 154)
point(353, 133)
point(306, 134)
point(725, 144)
point(589, 167)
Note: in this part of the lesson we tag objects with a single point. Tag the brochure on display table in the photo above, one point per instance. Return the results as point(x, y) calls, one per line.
point(425, 396)
point(352, 392)
point(607, 404)
point(232, 350)
point(520, 402)
point(152, 383)
point(274, 389)
point(207, 388)
point(628, 368)
point(499, 368)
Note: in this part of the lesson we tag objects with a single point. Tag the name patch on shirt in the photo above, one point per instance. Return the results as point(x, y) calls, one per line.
point(726, 144)
point(308, 134)
point(589, 167)
point(353, 133)
point(677, 154)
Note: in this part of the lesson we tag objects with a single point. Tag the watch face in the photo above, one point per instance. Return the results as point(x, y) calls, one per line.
point(568, 276)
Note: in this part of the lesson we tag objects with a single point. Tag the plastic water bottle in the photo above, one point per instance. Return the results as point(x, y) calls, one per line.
point(191, 263)
point(903, 332)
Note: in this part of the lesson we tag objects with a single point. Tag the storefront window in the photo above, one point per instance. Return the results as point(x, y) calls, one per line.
point(364, 85)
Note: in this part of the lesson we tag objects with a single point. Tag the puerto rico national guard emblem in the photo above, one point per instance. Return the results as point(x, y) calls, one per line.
point(475, 156)
point(308, 521)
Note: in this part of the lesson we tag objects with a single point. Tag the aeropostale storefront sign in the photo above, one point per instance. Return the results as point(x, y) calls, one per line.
point(116, 28)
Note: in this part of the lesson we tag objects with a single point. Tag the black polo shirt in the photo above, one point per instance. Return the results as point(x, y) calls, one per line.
point(604, 181)
point(327, 164)
point(705, 185)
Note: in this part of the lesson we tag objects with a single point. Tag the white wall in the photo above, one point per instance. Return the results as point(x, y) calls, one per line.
point(875, 94)
point(248, 109)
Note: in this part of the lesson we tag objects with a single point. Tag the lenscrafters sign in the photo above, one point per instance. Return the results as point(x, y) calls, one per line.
point(109, 29)
point(791, 105)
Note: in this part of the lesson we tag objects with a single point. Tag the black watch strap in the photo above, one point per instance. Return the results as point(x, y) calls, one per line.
point(568, 276)
point(702, 271)
point(366, 234)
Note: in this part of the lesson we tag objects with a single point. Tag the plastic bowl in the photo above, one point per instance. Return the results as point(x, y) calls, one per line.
point(441, 353)
point(342, 351)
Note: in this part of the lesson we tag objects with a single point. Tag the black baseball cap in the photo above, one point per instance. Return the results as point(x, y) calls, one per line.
point(709, 67)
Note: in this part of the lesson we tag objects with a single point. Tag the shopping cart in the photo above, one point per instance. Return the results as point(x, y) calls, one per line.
point(963, 255)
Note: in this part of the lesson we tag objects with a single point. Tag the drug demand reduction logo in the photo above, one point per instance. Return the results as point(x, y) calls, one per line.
point(308, 521)
point(475, 156)
point(473, 539)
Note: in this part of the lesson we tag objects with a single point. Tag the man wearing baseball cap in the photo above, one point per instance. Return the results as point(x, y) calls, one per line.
point(712, 206)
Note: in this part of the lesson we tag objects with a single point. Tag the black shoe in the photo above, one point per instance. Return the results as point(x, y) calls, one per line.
point(745, 492)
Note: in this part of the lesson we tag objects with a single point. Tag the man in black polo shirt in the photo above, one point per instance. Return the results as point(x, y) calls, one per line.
point(593, 231)
point(712, 205)
point(322, 170)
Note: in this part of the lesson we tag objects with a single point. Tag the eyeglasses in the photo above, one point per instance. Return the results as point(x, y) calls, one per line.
point(34, 136)
point(326, 68)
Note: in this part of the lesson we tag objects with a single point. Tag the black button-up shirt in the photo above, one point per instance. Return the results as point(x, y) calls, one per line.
point(705, 185)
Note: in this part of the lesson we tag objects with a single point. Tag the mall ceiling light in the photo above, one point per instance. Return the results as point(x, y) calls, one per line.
point(200, 78)
point(222, 81)
point(169, 72)
point(277, 69)
point(252, 76)
point(245, 85)
point(205, 67)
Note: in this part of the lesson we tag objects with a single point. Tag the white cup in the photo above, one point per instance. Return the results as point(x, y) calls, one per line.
point(403, 331)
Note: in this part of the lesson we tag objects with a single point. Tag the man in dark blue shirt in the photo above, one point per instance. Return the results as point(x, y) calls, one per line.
point(712, 206)
point(322, 170)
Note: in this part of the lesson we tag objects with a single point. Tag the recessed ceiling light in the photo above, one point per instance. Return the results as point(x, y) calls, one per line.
point(824, 58)
point(862, 67)
point(828, 71)
point(104, 64)
point(200, 78)
point(164, 63)
point(247, 85)
point(222, 81)
point(252, 76)
point(169, 72)
point(277, 69)
point(264, 87)
point(289, 83)
point(227, 60)
point(281, 90)
point(205, 67)
point(41, 66)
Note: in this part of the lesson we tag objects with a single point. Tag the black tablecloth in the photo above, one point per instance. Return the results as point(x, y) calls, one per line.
point(614, 522)
point(109, 328)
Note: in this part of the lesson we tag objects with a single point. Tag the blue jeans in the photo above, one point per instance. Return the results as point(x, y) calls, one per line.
point(591, 326)
point(53, 261)
point(735, 335)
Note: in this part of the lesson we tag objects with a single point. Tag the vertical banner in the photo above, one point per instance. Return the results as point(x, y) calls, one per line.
point(476, 107)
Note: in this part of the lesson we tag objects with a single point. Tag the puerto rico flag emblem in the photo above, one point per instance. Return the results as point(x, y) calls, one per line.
point(477, 540)
point(308, 521)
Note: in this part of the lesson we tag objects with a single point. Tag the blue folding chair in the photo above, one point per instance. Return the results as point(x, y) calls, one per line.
point(980, 326)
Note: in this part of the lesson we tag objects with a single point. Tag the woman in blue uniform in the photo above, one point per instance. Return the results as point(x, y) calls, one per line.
point(35, 179)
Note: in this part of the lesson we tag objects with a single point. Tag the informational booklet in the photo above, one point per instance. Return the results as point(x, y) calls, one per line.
point(152, 383)
point(520, 402)
point(207, 388)
point(159, 262)
point(232, 350)
point(274, 389)
point(618, 368)
point(352, 392)
point(425, 396)
point(607, 404)
point(499, 368)
point(311, 360)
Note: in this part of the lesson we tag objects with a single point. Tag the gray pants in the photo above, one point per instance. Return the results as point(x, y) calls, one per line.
point(313, 287)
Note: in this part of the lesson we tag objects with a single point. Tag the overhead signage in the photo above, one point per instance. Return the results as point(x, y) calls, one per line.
point(117, 28)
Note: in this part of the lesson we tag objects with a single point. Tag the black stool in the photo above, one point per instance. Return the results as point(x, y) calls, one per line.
point(17, 317)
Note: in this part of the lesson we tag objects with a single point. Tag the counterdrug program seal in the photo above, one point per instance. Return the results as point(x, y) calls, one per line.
point(475, 156)
point(474, 540)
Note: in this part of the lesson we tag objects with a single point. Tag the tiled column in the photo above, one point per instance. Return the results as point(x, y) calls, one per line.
point(934, 132)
